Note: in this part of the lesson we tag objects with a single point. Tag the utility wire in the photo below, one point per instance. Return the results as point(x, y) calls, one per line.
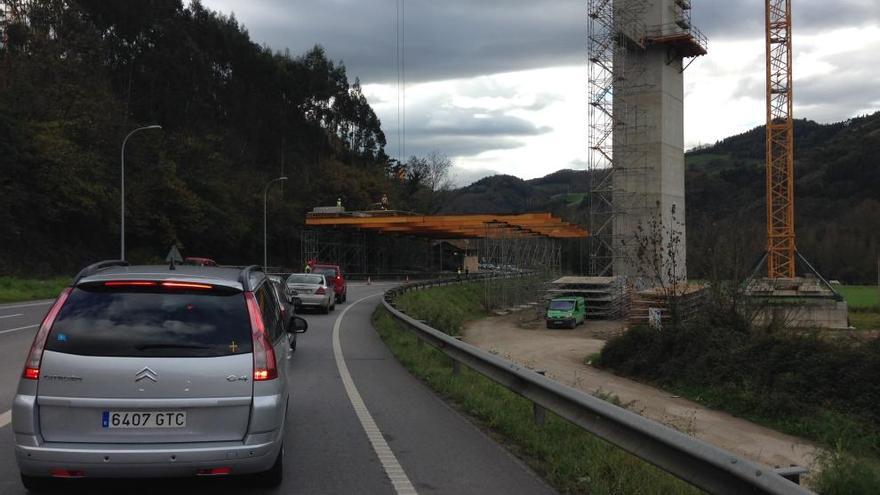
point(397, 62)
point(403, 69)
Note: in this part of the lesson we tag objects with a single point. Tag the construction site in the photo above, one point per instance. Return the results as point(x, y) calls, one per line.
point(636, 264)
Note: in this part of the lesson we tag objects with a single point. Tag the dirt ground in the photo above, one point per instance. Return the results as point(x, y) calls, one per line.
point(521, 338)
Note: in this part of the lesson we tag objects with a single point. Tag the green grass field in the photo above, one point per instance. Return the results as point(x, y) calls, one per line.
point(860, 296)
point(13, 289)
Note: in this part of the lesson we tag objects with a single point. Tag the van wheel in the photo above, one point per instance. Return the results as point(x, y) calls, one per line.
point(36, 484)
point(275, 475)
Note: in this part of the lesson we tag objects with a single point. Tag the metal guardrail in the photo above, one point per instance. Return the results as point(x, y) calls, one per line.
point(703, 465)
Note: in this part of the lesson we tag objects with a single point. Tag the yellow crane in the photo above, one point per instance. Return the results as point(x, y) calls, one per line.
point(781, 249)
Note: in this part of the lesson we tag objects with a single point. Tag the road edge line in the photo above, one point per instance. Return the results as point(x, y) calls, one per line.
point(393, 470)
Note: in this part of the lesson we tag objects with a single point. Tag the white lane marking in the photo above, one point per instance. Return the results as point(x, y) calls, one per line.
point(393, 470)
point(17, 329)
point(5, 418)
point(10, 316)
point(44, 303)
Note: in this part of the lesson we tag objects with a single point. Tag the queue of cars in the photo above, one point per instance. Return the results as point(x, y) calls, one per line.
point(164, 371)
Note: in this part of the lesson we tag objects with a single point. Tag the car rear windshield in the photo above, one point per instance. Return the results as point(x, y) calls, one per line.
point(99, 321)
point(305, 279)
point(330, 272)
point(562, 305)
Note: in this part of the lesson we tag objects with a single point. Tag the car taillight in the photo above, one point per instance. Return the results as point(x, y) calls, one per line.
point(186, 285)
point(32, 364)
point(338, 278)
point(264, 354)
point(130, 283)
point(320, 290)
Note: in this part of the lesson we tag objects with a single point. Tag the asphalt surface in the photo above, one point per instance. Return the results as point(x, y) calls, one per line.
point(327, 448)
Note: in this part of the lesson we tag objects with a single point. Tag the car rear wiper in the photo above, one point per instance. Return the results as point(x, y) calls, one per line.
point(144, 347)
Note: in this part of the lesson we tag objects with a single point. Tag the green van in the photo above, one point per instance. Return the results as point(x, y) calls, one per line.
point(566, 312)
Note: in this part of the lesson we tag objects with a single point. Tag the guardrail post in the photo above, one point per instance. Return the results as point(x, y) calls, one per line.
point(538, 412)
point(456, 366)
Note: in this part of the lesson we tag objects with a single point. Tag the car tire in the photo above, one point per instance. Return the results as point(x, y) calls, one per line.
point(36, 484)
point(275, 475)
point(325, 309)
point(333, 306)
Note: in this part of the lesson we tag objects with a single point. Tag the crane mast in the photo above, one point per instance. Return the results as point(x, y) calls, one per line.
point(781, 250)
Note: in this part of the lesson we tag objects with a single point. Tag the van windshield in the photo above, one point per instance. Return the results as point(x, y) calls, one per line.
point(562, 305)
point(96, 321)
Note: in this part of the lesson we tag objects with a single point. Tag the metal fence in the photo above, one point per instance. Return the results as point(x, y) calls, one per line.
point(703, 465)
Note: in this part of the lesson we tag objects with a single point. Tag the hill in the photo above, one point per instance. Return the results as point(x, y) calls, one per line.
point(837, 199)
point(234, 115)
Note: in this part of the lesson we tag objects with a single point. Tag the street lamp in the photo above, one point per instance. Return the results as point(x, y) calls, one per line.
point(265, 192)
point(122, 189)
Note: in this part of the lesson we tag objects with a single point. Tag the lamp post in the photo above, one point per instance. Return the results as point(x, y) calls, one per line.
point(265, 245)
point(122, 189)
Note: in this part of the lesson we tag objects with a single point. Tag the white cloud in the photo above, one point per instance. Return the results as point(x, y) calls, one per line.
point(497, 85)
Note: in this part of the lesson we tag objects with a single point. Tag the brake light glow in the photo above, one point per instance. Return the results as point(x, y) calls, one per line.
point(35, 356)
point(67, 473)
point(186, 285)
point(218, 471)
point(264, 354)
point(130, 283)
point(320, 290)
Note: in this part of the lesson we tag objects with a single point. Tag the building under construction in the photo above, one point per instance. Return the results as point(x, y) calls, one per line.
point(385, 241)
point(637, 54)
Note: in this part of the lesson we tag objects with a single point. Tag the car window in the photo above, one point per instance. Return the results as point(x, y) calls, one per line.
point(96, 321)
point(304, 279)
point(561, 305)
point(270, 309)
point(329, 272)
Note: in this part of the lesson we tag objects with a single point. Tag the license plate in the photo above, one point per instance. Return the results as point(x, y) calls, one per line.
point(141, 419)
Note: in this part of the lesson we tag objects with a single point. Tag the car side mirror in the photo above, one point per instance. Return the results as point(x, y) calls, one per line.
point(298, 325)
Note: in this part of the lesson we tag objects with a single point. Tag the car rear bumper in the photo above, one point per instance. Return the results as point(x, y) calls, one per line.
point(256, 454)
point(313, 300)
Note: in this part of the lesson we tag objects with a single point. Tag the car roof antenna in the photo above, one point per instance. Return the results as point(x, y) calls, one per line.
point(173, 257)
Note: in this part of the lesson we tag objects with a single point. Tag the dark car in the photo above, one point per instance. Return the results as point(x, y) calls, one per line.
point(334, 275)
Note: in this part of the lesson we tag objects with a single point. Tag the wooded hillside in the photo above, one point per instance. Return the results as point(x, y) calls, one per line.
point(82, 74)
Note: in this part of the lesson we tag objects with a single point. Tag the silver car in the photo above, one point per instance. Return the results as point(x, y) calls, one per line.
point(152, 371)
point(312, 290)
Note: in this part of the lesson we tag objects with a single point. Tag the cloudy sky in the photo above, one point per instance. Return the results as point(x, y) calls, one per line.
point(500, 85)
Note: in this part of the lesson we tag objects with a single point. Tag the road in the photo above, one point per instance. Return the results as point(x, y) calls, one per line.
point(401, 437)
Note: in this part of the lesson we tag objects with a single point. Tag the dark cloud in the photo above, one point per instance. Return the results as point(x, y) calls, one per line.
point(740, 19)
point(852, 87)
point(464, 146)
point(437, 124)
point(463, 38)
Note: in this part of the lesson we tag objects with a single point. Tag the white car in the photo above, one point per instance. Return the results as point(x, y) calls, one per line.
point(311, 290)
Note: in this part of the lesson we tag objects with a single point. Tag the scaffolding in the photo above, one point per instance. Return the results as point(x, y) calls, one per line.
point(528, 262)
point(345, 248)
point(616, 159)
